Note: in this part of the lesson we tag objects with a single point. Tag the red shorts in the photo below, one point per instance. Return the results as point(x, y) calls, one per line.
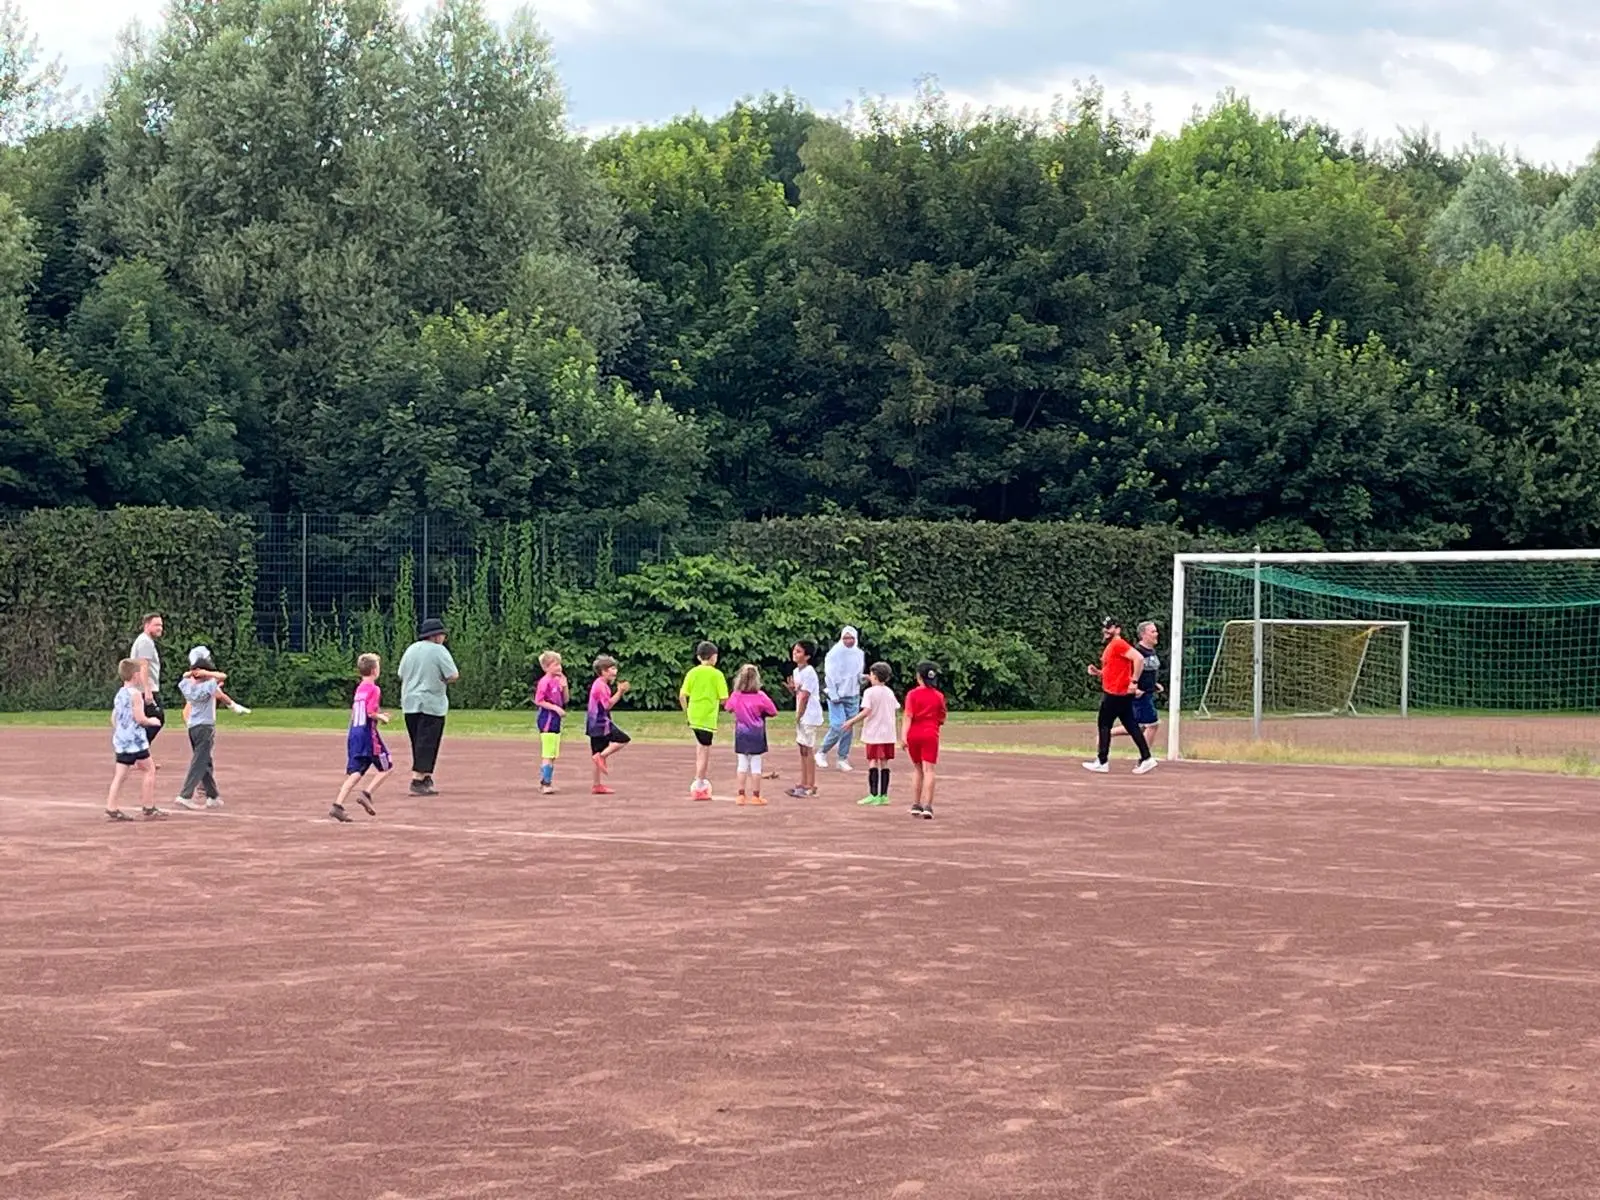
point(923, 747)
point(880, 752)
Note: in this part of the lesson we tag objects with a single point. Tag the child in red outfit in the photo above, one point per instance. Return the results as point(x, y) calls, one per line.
point(925, 714)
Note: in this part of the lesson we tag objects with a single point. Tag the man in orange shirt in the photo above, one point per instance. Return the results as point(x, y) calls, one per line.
point(1118, 673)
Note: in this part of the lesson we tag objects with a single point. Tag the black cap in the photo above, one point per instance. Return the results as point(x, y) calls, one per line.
point(1110, 623)
point(432, 627)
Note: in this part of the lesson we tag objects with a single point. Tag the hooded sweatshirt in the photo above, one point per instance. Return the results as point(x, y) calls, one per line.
point(844, 667)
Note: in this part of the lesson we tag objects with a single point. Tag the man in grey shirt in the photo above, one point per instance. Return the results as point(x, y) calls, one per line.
point(144, 649)
point(425, 670)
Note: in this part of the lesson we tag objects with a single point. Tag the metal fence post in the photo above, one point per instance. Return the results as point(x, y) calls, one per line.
point(305, 595)
point(426, 611)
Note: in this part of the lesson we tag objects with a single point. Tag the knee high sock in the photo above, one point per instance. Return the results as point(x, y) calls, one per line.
point(883, 780)
point(872, 781)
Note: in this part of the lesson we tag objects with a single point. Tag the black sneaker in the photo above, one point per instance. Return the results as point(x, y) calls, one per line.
point(365, 800)
point(338, 813)
point(421, 787)
point(151, 812)
point(916, 810)
point(116, 814)
point(927, 814)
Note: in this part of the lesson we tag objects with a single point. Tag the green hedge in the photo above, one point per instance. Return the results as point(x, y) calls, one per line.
point(1010, 611)
point(75, 582)
point(1048, 584)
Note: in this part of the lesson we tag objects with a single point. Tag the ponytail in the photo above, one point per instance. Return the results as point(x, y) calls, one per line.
point(928, 673)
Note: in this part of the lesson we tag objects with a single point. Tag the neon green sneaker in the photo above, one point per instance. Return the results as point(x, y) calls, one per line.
point(866, 801)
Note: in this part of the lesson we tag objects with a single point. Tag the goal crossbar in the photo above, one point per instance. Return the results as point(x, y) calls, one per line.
point(1347, 703)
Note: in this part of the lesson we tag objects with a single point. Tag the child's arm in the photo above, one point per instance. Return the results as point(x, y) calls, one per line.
point(142, 717)
point(802, 698)
point(866, 708)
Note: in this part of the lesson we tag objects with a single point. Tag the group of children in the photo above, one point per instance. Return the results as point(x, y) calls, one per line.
point(705, 695)
point(133, 727)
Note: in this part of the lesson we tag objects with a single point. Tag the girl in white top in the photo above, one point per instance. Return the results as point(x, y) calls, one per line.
point(807, 715)
point(878, 730)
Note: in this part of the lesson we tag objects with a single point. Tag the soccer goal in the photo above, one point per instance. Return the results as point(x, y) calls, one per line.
point(1262, 643)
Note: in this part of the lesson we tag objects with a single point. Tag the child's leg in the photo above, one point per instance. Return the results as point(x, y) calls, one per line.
point(378, 779)
point(916, 783)
point(147, 784)
point(755, 778)
point(928, 771)
point(118, 774)
point(199, 762)
point(702, 762)
point(350, 781)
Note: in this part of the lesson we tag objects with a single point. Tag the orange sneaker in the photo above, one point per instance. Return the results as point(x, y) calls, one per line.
point(741, 800)
point(757, 802)
point(601, 789)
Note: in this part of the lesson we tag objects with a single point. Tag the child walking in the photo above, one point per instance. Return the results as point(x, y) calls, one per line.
point(605, 739)
point(807, 716)
point(750, 707)
point(701, 696)
point(130, 741)
point(550, 698)
point(201, 688)
point(365, 752)
point(925, 715)
point(877, 721)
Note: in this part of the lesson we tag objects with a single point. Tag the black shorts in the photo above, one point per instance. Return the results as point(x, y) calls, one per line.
point(128, 760)
point(615, 738)
point(703, 736)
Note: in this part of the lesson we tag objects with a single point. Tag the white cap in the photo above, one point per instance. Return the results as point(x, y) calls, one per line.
point(198, 654)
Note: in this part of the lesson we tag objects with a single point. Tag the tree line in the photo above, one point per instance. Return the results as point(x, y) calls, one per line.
point(313, 255)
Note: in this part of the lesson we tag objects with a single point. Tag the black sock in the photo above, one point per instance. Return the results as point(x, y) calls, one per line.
point(883, 777)
point(872, 781)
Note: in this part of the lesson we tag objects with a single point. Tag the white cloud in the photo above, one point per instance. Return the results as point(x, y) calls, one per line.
point(1533, 97)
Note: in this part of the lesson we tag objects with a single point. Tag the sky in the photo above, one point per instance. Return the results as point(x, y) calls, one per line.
point(1518, 74)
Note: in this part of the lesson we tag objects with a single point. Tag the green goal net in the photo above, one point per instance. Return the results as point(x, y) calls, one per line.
point(1491, 654)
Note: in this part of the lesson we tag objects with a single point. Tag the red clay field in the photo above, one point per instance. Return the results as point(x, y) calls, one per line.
point(1253, 983)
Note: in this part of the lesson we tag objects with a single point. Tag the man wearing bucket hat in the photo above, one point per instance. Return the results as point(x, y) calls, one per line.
point(426, 670)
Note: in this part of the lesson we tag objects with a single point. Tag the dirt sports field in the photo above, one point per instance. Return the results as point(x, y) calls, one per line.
point(1253, 983)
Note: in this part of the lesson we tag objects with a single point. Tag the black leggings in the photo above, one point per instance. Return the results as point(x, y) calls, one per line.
point(1112, 710)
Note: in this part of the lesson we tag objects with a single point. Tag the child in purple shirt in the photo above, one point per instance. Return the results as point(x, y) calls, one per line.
point(750, 707)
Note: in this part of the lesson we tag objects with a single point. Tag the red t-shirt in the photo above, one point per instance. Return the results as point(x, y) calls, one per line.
point(1116, 672)
point(925, 711)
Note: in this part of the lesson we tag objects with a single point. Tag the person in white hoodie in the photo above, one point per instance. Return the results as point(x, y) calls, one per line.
point(841, 683)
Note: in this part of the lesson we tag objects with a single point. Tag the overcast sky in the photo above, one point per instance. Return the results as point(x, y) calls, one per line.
point(1519, 73)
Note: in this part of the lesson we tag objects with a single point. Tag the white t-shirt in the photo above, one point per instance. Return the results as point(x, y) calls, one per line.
point(144, 646)
point(805, 680)
point(880, 705)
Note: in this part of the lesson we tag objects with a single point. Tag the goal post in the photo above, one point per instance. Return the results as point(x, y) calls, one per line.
point(1307, 668)
point(1512, 637)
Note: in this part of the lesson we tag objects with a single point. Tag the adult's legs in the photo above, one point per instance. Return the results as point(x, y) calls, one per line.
point(846, 708)
point(1125, 715)
point(1107, 719)
point(426, 731)
point(836, 718)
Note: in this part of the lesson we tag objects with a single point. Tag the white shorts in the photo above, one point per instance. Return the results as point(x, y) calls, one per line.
point(749, 763)
point(806, 735)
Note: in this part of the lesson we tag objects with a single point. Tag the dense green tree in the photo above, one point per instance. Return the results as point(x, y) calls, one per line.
point(1490, 208)
point(470, 416)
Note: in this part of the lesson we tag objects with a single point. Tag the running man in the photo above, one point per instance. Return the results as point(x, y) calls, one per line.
point(1117, 675)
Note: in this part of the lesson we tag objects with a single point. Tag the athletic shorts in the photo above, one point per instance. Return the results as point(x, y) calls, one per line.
point(923, 748)
point(749, 763)
point(360, 764)
point(806, 735)
point(136, 756)
point(703, 736)
point(1144, 711)
point(880, 752)
point(615, 738)
point(550, 745)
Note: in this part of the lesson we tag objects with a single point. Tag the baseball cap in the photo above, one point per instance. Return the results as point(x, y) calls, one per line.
point(1110, 623)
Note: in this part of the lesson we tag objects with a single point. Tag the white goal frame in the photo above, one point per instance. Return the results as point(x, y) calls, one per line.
point(1257, 559)
point(1258, 666)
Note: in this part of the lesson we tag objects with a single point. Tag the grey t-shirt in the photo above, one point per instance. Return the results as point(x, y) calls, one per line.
point(144, 646)
point(423, 669)
point(202, 698)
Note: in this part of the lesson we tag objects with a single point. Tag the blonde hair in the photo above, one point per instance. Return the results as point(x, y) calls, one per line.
point(129, 669)
point(547, 658)
point(367, 665)
point(748, 679)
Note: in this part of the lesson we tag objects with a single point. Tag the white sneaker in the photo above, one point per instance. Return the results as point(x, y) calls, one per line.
point(1146, 766)
point(188, 804)
point(240, 709)
point(844, 765)
point(821, 759)
point(1098, 767)
point(214, 802)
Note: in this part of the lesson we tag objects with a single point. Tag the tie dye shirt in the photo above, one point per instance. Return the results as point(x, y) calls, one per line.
point(750, 712)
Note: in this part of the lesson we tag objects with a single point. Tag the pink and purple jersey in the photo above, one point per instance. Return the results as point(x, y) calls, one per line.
point(750, 712)
point(363, 746)
point(600, 702)
point(552, 689)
